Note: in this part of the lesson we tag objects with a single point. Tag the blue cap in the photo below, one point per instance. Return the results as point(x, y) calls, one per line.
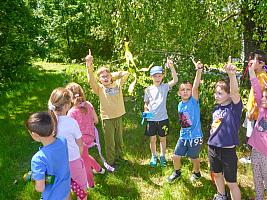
point(156, 70)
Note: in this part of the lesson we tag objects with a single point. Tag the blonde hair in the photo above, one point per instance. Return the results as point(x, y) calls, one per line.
point(58, 98)
point(101, 70)
point(78, 96)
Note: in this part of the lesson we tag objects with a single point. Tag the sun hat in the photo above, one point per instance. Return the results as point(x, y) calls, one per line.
point(156, 70)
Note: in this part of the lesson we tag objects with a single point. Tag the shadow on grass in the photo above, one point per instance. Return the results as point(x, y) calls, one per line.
point(16, 145)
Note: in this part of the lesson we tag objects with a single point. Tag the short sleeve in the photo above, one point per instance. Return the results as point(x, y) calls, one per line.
point(38, 167)
point(167, 86)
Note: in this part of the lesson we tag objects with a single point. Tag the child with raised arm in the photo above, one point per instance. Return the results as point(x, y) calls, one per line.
point(252, 108)
point(155, 102)
point(190, 140)
point(59, 103)
point(46, 161)
point(112, 107)
point(226, 119)
point(84, 113)
point(258, 139)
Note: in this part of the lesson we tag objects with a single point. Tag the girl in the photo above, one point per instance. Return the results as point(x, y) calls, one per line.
point(258, 139)
point(59, 104)
point(84, 113)
point(223, 138)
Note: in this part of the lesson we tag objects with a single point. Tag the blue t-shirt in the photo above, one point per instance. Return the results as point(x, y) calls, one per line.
point(189, 117)
point(225, 125)
point(53, 160)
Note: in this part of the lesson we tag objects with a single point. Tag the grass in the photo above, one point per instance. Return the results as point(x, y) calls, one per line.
point(135, 180)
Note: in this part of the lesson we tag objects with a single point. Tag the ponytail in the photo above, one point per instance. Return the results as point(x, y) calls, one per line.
point(54, 121)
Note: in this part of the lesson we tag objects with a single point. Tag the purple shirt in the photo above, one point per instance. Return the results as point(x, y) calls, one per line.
point(225, 125)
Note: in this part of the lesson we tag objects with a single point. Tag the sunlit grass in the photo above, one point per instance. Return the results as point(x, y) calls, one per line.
point(136, 180)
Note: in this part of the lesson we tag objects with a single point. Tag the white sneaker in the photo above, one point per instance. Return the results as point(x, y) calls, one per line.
point(245, 160)
point(102, 171)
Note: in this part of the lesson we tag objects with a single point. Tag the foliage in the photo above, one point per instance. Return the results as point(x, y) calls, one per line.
point(17, 31)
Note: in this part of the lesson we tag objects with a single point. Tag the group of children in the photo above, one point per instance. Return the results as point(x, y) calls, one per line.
point(69, 130)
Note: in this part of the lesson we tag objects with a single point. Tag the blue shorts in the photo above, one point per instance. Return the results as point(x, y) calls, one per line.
point(190, 148)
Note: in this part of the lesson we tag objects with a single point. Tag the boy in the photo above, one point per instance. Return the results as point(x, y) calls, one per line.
point(223, 138)
point(155, 102)
point(190, 140)
point(52, 159)
point(112, 107)
point(252, 108)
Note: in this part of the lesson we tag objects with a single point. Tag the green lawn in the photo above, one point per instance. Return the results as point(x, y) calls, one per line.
point(135, 180)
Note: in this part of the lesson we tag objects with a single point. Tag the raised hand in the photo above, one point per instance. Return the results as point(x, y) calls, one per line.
point(89, 59)
point(198, 64)
point(169, 63)
point(229, 67)
point(253, 63)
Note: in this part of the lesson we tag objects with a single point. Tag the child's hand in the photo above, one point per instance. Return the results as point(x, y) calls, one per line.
point(89, 59)
point(253, 63)
point(169, 63)
point(198, 65)
point(229, 67)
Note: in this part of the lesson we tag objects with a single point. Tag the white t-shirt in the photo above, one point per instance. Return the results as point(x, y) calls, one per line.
point(68, 128)
point(156, 98)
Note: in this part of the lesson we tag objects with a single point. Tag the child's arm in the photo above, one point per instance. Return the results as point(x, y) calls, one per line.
point(199, 68)
point(95, 117)
point(146, 107)
point(174, 74)
point(123, 75)
point(79, 142)
point(90, 73)
point(255, 83)
point(38, 168)
point(40, 185)
point(234, 90)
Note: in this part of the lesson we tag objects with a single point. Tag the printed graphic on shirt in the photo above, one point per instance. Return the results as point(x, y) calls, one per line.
point(218, 115)
point(185, 121)
point(112, 91)
point(262, 125)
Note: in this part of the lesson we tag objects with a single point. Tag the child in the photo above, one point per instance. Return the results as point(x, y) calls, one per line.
point(155, 102)
point(84, 113)
point(46, 161)
point(252, 109)
point(112, 108)
point(59, 104)
point(223, 138)
point(258, 139)
point(190, 140)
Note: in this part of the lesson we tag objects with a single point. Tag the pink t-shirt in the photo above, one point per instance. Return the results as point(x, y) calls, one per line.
point(85, 121)
point(258, 139)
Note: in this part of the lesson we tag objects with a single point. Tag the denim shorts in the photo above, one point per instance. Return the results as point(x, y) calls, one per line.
point(190, 148)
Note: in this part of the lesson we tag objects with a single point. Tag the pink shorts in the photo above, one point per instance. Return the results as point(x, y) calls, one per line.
point(78, 173)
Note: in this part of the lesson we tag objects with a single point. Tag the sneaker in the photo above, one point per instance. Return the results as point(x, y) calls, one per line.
point(153, 161)
point(174, 176)
point(102, 171)
point(195, 176)
point(245, 160)
point(219, 197)
point(163, 162)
